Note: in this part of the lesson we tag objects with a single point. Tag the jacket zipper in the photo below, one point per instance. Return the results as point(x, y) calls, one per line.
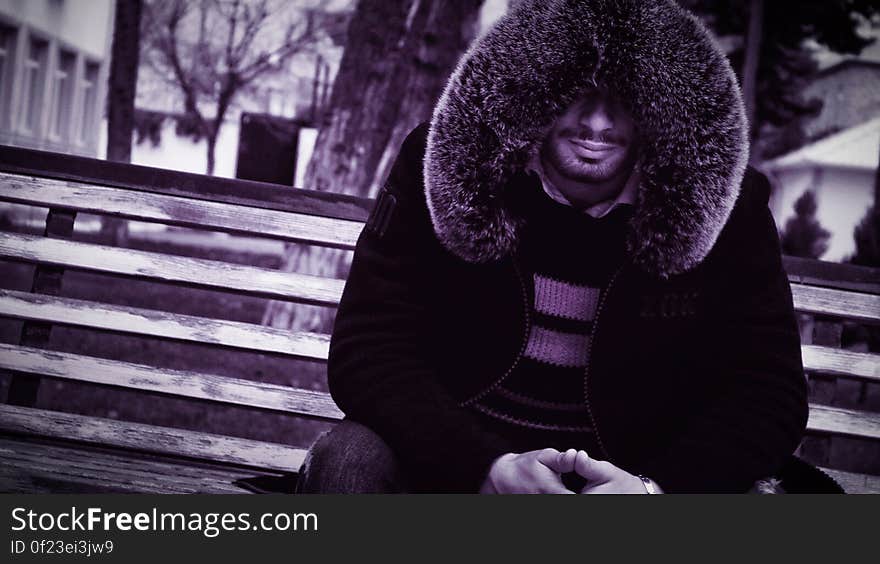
point(527, 326)
point(590, 358)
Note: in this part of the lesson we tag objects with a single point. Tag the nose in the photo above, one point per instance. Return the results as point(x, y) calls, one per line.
point(597, 115)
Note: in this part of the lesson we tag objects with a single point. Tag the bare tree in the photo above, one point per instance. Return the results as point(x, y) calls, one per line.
point(398, 56)
point(211, 50)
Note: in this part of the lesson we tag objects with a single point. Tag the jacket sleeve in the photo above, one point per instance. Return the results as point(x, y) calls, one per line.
point(379, 369)
point(759, 413)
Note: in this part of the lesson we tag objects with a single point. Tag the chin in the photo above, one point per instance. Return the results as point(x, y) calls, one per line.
point(597, 171)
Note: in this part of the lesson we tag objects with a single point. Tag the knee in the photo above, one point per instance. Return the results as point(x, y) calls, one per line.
point(350, 458)
point(352, 445)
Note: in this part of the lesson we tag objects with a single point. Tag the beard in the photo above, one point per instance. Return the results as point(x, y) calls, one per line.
point(559, 153)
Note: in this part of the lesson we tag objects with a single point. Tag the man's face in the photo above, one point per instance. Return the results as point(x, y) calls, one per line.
point(594, 141)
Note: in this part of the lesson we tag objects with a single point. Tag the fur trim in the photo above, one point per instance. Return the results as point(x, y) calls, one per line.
point(768, 486)
point(511, 84)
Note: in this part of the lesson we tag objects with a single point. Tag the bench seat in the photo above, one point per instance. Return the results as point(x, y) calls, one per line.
point(44, 451)
point(48, 451)
point(100, 470)
point(40, 466)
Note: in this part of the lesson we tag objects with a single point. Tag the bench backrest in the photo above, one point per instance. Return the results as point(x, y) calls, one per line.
point(826, 294)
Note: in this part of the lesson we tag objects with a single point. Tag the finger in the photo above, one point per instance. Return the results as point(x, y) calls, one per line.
point(553, 485)
point(600, 489)
point(561, 462)
point(551, 458)
point(581, 463)
point(557, 490)
point(566, 460)
point(548, 481)
point(593, 470)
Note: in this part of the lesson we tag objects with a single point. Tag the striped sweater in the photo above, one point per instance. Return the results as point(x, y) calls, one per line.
point(571, 257)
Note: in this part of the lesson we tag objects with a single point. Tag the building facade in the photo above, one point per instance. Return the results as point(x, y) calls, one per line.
point(54, 62)
point(840, 169)
point(850, 94)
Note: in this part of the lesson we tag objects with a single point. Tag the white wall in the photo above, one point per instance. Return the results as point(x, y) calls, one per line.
point(181, 153)
point(304, 148)
point(843, 196)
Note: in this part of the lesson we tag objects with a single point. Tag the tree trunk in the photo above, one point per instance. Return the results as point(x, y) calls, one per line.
point(120, 100)
point(211, 140)
point(877, 184)
point(397, 59)
point(752, 59)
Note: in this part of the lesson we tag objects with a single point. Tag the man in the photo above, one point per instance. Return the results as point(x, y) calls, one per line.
point(570, 282)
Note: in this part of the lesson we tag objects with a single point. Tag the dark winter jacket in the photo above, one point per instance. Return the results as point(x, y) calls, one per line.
point(695, 375)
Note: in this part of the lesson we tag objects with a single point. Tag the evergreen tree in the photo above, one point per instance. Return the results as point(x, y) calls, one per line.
point(867, 232)
point(803, 236)
point(785, 62)
point(867, 240)
point(867, 236)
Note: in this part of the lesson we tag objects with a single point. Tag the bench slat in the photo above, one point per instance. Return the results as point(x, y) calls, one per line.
point(25, 448)
point(838, 421)
point(853, 483)
point(837, 303)
point(44, 164)
point(151, 438)
point(173, 382)
point(121, 319)
point(36, 467)
point(69, 311)
point(828, 274)
point(196, 272)
point(275, 456)
point(179, 211)
point(304, 288)
point(840, 362)
point(27, 480)
point(29, 467)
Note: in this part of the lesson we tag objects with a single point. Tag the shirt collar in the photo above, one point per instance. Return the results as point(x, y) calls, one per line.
point(600, 209)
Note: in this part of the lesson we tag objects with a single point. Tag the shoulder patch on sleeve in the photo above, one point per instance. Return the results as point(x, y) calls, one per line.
point(381, 214)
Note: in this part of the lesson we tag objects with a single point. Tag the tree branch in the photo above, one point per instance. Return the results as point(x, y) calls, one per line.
point(263, 62)
point(190, 95)
point(207, 64)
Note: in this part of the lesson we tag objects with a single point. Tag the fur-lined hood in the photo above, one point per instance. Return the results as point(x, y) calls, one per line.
point(511, 84)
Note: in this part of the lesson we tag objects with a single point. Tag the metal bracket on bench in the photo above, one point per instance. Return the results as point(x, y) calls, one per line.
point(23, 387)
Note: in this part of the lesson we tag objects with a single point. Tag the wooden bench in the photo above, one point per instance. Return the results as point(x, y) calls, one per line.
point(51, 451)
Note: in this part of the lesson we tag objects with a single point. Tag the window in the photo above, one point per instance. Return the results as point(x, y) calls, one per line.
point(89, 96)
point(62, 96)
point(32, 88)
point(8, 36)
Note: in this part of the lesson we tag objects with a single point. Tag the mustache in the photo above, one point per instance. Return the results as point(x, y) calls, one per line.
point(607, 136)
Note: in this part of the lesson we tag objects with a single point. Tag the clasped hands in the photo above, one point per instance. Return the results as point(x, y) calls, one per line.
point(540, 471)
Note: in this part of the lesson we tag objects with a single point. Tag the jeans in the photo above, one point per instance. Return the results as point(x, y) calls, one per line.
point(350, 458)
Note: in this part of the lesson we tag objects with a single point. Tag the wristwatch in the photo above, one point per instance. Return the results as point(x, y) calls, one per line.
point(648, 483)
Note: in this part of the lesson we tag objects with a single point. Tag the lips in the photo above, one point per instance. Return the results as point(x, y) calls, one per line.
point(592, 149)
point(593, 145)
